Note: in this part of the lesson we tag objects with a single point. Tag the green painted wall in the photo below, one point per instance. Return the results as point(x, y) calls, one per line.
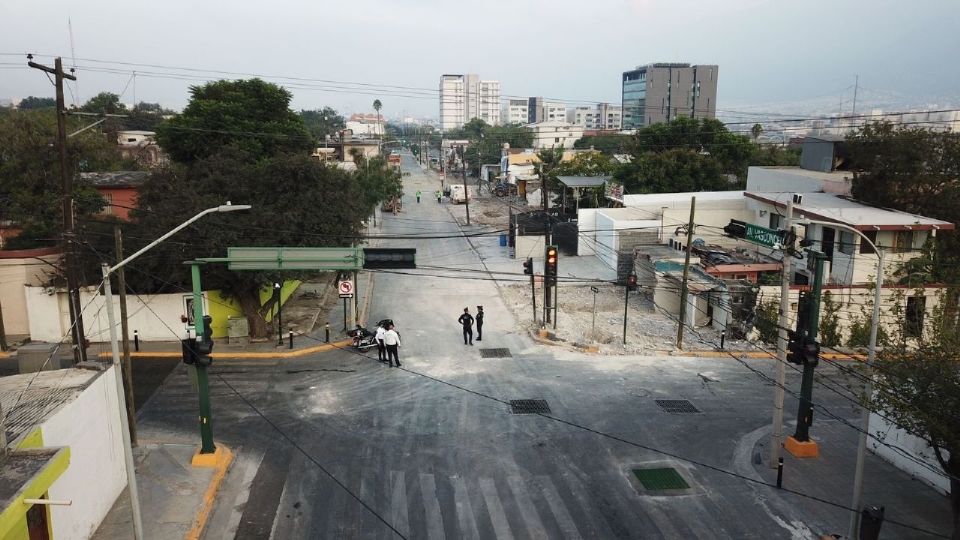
point(221, 308)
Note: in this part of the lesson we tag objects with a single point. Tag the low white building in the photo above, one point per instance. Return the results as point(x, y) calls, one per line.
point(599, 116)
point(364, 129)
point(555, 135)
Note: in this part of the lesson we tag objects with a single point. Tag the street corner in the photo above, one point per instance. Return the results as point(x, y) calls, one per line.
point(219, 460)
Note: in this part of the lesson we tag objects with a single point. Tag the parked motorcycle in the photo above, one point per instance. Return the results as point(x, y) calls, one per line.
point(363, 339)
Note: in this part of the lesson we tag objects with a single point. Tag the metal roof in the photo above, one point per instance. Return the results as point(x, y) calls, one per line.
point(829, 207)
point(583, 181)
point(115, 179)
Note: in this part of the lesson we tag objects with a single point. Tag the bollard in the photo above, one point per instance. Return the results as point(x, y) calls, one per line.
point(291, 340)
point(723, 337)
point(779, 473)
point(136, 341)
point(328, 332)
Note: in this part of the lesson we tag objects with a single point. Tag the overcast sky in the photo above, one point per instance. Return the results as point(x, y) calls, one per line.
point(771, 53)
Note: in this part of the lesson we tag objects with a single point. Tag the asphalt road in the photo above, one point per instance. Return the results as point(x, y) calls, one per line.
point(340, 446)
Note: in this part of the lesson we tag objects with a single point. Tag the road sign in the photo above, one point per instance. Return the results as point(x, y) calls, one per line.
point(345, 288)
point(763, 236)
point(594, 289)
point(294, 258)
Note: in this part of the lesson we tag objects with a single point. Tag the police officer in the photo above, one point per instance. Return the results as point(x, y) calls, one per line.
point(381, 347)
point(467, 321)
point(418, 196)
point(479, 320)
point(391, 339)
point(439, 196)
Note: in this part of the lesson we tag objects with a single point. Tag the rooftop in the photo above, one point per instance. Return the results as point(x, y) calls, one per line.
point(843, 210)
point(116, 178)
point(29, 399)
point(583, 181)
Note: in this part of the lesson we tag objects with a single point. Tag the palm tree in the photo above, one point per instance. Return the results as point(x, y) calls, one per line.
point(755, 131)
point(377, 106)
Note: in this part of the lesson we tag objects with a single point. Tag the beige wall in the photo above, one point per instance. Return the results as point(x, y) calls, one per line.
point(15, 274)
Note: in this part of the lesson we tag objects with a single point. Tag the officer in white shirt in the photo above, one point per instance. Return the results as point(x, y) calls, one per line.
point(381, 348)
point(392, 341)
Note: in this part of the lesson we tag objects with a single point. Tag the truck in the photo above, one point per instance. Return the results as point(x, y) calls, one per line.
point(458, 195)
point(394, 159)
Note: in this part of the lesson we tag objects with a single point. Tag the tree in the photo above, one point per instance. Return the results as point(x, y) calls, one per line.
point(377, 105)
point(546, 170)
point(322, 122)
point(675, 170)
point(588, 164)
point(756, 131)
point(918, 389)
point(30, 174)
point(146, 116)
point(490, 140)
point(608, 144)
point(104, 103)
point(32, 102)
point(251, 115)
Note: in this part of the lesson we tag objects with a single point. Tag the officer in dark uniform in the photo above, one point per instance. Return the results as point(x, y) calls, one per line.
point(467, 321)
point(479, 320)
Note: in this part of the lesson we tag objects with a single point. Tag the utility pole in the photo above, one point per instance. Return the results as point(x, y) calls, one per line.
point(686, 274)
point(66, 185)
point(776, 438)
point(3, 331)
point(466, 190)
point(856, 86)
point(125, 336)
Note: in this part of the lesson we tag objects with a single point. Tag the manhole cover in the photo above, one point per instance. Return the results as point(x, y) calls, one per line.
point(495, 353)
point(529, 406)
point(677, 406)
point(660, 479)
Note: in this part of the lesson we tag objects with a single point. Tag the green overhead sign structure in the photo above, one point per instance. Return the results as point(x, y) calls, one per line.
point(755, 233)
point(294, 258)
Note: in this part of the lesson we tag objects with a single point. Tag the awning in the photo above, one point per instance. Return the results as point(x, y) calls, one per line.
point(583, 181)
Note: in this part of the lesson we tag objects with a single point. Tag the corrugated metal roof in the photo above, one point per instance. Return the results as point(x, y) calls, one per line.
point(29, 399)
point(115, 178)
point(583, 181)
point(829, 207)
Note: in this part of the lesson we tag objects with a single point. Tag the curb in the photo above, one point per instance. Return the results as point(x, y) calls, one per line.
point(253, 355)
point(221, 461)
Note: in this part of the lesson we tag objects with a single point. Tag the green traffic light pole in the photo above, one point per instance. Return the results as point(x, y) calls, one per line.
point(203, 381)
point(805, 410)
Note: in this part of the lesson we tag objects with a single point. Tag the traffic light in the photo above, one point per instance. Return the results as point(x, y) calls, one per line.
point(188, 347)
point(204, 345)
point(811, 353)
point(528, 266)
point(632, 281)
point(736, 229)
point(795, 347)
point(550, 263)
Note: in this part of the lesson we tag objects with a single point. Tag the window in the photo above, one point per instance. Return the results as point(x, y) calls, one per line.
point(902, 241)
point(916, 307)
point(846, 242)
point(776, 220)
point(556, 139)
point(864, 245)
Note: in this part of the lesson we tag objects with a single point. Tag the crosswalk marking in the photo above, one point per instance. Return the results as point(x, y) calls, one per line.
point(497, 516)
point(527, 509)
point(431, 505)
point(468, 525)
point(567, 525)
point(398, 502)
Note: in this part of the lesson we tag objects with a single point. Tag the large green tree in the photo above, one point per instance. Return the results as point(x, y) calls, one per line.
point(252, 115)
point(104, 103)
point(608, 144)
point(146, 116)
point(489, 140)
point(322, 122)
point(30, 183)
point(33, 102)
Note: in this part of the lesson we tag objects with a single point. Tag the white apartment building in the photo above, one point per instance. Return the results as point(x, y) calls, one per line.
point(555, 134)
point(465, 97)
point(600, 116)
point(517, 111)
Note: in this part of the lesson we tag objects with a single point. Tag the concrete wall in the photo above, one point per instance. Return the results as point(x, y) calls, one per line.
point(586, 225)
point(90, 426)
point(797, 180)
point(915, 446)
point(529, 246)
point(155, 317)
point(17, 269)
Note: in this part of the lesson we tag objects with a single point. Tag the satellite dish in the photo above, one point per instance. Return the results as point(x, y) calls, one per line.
point(698, 243)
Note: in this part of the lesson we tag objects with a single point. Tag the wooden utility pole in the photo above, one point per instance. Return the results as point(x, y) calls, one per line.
point(66, 185)
point(686, 274)
point(125, 335)
point(3, 331)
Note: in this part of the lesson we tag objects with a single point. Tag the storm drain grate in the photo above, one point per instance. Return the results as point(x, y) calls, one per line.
point(495, 353)
point(680, 406)
point(661, 479)
point(529, 406)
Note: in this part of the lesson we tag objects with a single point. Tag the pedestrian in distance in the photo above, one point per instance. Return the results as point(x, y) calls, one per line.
point(418, 196)
point(392, 341)
point(467, 321)
point(381, 348)
point(479, 320)
point(439, 196)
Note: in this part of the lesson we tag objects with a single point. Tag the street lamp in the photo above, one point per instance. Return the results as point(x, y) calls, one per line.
point(115, 350)
point(868, 389)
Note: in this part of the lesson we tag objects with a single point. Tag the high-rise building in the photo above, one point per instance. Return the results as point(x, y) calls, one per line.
point(516, 111)
point(540, 110)
point(599, 116)
point(465, 97)
point(660, 92)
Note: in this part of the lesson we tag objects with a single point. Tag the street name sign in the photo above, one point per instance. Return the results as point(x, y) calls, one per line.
point(764, 236)
point(294, 258)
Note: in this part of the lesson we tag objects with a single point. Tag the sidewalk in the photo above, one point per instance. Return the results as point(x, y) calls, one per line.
point(176, 498)
point(830, 477)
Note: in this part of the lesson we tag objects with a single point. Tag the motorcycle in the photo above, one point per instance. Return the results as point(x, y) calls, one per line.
point(363, 339)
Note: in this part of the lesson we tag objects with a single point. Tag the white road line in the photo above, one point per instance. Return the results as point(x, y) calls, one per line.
point(398, 502)
point(431, 506)
point(468, 525)
point(567, 525)
point(499, 519)
point(529, 512)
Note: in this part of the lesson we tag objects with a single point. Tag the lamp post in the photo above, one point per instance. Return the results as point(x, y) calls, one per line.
point(868, 388)
point(117, 365)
